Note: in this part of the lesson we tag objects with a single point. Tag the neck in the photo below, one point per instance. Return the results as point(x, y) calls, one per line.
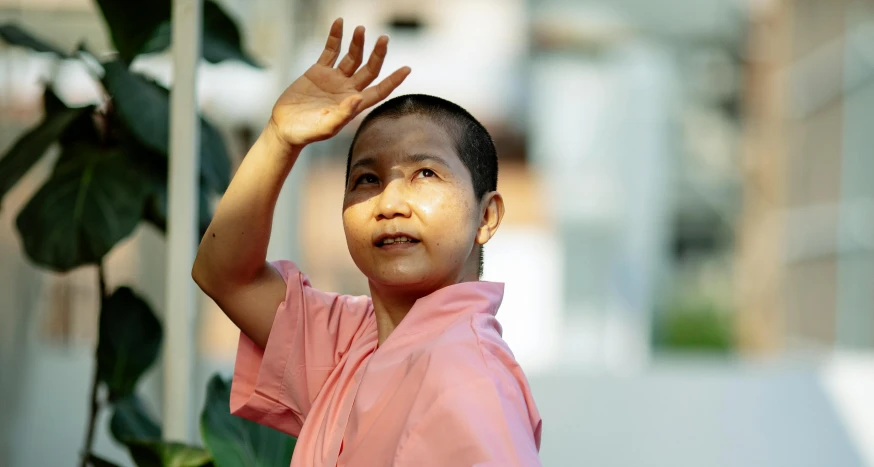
point(392, 304)
point(390, 308)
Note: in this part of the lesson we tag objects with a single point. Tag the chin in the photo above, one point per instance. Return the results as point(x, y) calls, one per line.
point(398, 279)
point(413, 278)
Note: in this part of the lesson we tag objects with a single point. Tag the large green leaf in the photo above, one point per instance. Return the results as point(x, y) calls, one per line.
point(51, 102)
point(221, 37)
point(215, 164)
point(156, 208)
point(235, 442)
point(92, 200)
point(131, 421)
point(220, 40)
point(95, 461)
point(144, 108)
point(131, 24)
point(129, 342)
point(83, 128)
point(168, 454)
point(14, 35)
point(155, 211)
point(28, 150)
point(134, 427)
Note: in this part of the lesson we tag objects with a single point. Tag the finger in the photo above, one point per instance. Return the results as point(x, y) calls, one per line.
point(370, 71)
point(332, 47)
point(347, 110)
point(353, 59)
point(374, 94)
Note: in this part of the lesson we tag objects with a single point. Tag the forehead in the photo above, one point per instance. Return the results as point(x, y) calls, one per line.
point(410, 134)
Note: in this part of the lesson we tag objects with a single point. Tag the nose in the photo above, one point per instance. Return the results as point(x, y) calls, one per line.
point(393, 201)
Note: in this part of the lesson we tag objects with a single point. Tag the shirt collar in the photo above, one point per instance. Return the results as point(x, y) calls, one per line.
point(433, 313)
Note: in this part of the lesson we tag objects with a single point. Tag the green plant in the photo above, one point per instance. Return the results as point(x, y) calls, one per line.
point(695, 325)
point(111, 175)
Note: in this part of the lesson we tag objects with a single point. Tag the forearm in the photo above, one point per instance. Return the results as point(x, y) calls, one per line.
point(234, 248)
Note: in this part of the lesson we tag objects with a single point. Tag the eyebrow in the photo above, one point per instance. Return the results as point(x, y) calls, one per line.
point(408, 159)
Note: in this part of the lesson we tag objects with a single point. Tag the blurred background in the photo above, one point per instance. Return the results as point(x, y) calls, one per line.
point(689, 240)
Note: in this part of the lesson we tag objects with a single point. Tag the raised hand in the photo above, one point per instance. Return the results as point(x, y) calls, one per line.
point(322, 101)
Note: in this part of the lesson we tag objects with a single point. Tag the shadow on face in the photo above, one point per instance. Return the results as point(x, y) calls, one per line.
point(409, 212)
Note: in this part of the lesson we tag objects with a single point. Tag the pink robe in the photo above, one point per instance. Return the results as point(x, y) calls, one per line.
point(442, 390)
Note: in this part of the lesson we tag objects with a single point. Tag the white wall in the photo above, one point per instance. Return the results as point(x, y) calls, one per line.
point(600, 131)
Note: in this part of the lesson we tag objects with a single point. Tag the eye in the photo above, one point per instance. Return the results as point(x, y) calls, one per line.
point(366, 179)
point(427, 173)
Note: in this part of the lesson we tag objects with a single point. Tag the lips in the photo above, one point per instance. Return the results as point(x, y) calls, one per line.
point(397, 238)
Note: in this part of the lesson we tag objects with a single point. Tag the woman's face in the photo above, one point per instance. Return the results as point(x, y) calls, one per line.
point(409, 213)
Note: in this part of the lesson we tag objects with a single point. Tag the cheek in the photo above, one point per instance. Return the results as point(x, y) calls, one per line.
point(354, 222)
point(451, 215)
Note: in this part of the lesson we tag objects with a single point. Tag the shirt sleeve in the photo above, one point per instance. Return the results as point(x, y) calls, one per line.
point(311, 333)
point(476, 424)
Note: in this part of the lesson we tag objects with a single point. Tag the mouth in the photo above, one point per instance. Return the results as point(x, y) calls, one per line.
point(395, 240)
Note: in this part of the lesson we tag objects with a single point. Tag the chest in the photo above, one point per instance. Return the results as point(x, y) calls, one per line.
point(369, 407)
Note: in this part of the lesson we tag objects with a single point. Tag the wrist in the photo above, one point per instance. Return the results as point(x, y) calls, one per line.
point(274, 139)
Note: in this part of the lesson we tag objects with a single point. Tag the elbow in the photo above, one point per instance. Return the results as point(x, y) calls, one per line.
point(214, 279)
point(201, 275)
point(196, 274)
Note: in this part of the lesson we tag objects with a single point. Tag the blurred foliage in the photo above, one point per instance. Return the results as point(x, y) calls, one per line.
point(167, 453)
point(130, 339)
point(110, 176)
point(221, 37)
point(230, 441)
point(131, 420)
point(14, 35)
point(695, 325)
point(235, 441)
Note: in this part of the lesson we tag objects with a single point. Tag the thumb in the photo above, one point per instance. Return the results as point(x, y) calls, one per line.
point(349, 105)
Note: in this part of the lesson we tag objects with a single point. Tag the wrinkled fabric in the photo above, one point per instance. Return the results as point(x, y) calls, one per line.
point(442, 390)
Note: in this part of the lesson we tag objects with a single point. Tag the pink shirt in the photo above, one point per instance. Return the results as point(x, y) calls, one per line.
point(442, 390)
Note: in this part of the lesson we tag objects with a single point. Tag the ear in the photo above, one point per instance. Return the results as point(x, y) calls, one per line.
point(492, 214)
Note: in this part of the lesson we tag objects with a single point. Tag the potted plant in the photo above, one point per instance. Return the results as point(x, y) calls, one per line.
point(110, 176)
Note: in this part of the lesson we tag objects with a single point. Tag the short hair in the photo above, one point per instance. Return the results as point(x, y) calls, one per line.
point(473, 144)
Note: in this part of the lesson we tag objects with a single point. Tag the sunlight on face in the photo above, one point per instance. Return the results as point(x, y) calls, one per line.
point(409, 212)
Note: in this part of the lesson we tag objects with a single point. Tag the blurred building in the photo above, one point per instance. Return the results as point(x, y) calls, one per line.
point(806, 257)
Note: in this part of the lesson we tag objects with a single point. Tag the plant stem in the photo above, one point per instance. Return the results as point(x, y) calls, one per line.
point(95, 404)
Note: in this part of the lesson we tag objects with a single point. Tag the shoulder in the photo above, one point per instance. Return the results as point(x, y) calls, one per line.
point(481, 409)
point(298, 285)
point(472, 349)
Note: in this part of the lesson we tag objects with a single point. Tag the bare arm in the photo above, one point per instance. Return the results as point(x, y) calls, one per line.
point(231, 264)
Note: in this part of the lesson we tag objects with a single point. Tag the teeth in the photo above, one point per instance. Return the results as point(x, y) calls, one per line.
point(391, 241)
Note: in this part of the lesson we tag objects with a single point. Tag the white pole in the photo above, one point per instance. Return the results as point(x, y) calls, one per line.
point(284, 237)
point(182, 230)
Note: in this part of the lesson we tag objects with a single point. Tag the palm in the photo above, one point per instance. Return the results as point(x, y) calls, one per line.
point(319, 103)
